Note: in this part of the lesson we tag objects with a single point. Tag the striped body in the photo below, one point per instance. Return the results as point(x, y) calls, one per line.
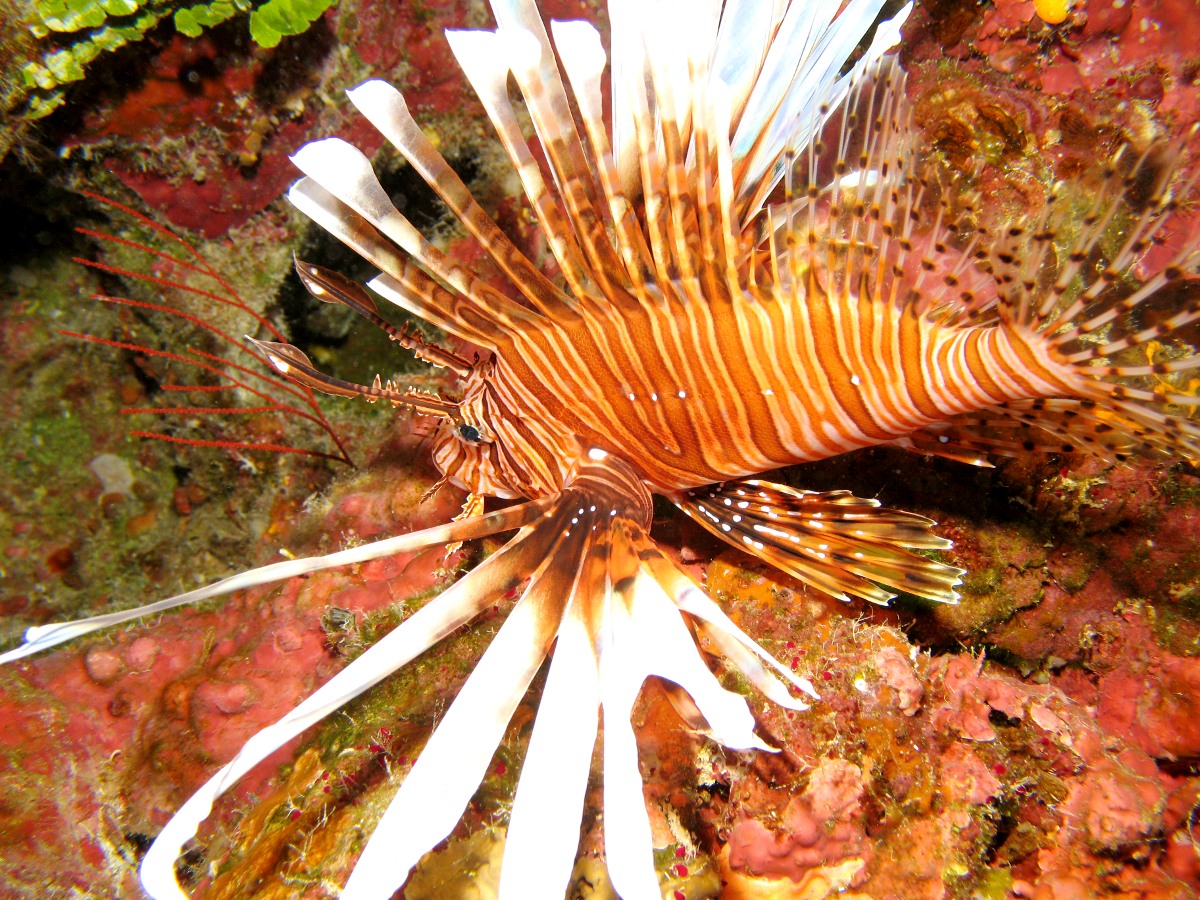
point(691, 395)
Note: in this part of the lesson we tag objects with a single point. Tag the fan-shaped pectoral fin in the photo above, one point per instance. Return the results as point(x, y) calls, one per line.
point(844, 545)
point(596, 588)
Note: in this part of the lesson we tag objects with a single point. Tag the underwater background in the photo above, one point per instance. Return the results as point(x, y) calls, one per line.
point(1039, 740)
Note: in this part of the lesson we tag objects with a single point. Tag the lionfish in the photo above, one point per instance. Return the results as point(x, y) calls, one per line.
point(752, 273)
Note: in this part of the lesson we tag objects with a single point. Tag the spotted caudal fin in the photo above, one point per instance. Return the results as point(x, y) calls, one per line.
point(1122, 330)
point(1118, 333)
point(844, 545)
point(617, 611)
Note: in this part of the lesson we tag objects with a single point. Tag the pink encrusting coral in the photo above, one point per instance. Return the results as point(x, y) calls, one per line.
point(821, 826)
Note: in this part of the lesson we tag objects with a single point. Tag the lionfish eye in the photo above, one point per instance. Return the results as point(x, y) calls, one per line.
point(469, 433)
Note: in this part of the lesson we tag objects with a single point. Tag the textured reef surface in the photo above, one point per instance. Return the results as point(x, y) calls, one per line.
point(1041, 739)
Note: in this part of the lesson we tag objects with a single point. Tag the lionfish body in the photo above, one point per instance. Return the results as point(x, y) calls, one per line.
point(751, 273)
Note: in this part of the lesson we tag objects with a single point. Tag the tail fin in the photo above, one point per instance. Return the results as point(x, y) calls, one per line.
point(1067, 283)
point(1118, 333)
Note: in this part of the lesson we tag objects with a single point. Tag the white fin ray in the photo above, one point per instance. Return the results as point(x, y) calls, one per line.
point(690, 598)
point(583, 59)
point(521, 17)
point(344, 171)
point(452, 764)
point(482, 55)
point(461, 313)
point(657, 635)
point(746, 27)
point(43, 637)
point(553, 121)
point(540, 849)
point(637, 26)
point(386, 109)
point(794, 121)
point(789, 65)
point(685, 58)
point(645, 635)
point(628, 841)
point(764, 133)
point(628, 73)
point(749, 666)
point(440, 617)
point(411, 301)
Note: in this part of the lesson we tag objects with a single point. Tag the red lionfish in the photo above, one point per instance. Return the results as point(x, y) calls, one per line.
point(753, 274)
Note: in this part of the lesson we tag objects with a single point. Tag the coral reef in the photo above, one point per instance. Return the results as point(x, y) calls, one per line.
point(1039, 740)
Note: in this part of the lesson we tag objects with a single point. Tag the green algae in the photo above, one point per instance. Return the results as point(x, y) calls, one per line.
point(76, 33)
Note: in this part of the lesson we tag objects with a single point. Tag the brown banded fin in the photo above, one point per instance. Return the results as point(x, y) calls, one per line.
point(384, 106)
point(482, 57)
point(330, 286)
point(294, 365)
point(347, 200)
point(844, 545)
